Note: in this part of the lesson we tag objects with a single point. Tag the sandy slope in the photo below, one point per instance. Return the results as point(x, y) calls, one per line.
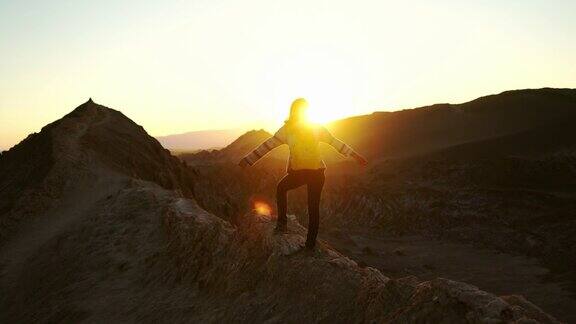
point(50, 224)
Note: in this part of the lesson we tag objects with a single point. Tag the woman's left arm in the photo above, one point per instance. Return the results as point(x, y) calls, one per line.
point(340, 146)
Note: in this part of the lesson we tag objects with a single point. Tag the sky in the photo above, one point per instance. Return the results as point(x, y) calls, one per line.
point(177, 66)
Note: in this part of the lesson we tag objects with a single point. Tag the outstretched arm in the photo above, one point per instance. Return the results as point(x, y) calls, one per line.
point(263, 149)
point(341, 147)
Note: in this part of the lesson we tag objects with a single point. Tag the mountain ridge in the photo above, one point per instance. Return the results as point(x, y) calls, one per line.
point(123, 239)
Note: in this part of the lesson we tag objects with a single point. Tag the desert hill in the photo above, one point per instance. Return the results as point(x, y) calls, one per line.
point(422, 130)
point(46, 164)
point(102, 226)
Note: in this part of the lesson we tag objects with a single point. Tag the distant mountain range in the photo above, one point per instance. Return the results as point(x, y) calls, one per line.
point(199, 140)
point(512, 122)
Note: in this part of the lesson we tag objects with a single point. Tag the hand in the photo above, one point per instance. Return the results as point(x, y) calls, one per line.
point(360, 159)
point(243, 164)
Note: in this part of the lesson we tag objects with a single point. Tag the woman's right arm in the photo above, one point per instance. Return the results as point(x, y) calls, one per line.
point(263, 149)
point(341, 147)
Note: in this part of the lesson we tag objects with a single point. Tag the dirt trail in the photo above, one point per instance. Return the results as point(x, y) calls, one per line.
point(78, 200)
point(41, 229)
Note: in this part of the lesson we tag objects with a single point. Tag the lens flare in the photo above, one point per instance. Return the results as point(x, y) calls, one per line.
point(262, 208)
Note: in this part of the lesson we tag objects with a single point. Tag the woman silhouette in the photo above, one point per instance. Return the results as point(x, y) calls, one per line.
point(305, 165)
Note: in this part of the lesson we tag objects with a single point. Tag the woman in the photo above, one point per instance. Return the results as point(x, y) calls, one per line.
point(305, 165)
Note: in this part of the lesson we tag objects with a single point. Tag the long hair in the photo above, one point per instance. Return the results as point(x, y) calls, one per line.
point(297, 111)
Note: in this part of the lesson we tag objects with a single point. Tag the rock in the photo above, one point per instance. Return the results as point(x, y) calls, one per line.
point(447, 301)
point(368, 250)
point(399, 252)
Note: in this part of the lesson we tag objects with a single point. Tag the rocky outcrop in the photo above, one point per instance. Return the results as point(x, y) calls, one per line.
point(266, 277)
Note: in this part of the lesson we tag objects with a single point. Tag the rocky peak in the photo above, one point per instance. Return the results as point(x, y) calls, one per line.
point(90, 136)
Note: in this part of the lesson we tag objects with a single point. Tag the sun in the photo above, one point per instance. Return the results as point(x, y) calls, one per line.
point(330, 86)
point(319, 115)
point(324, 108)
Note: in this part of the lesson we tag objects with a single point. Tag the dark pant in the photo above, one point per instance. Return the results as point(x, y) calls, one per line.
point(314, 180)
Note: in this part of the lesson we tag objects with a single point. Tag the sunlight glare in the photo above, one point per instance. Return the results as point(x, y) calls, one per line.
point(329, 80)
point(325, 107)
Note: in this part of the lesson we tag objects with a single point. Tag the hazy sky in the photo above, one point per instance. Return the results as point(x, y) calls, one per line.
point(175, 66)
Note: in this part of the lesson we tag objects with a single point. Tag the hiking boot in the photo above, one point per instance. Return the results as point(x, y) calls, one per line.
point(303, 250)
point(310, 246)
point(281, 229)
point(308, 250)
